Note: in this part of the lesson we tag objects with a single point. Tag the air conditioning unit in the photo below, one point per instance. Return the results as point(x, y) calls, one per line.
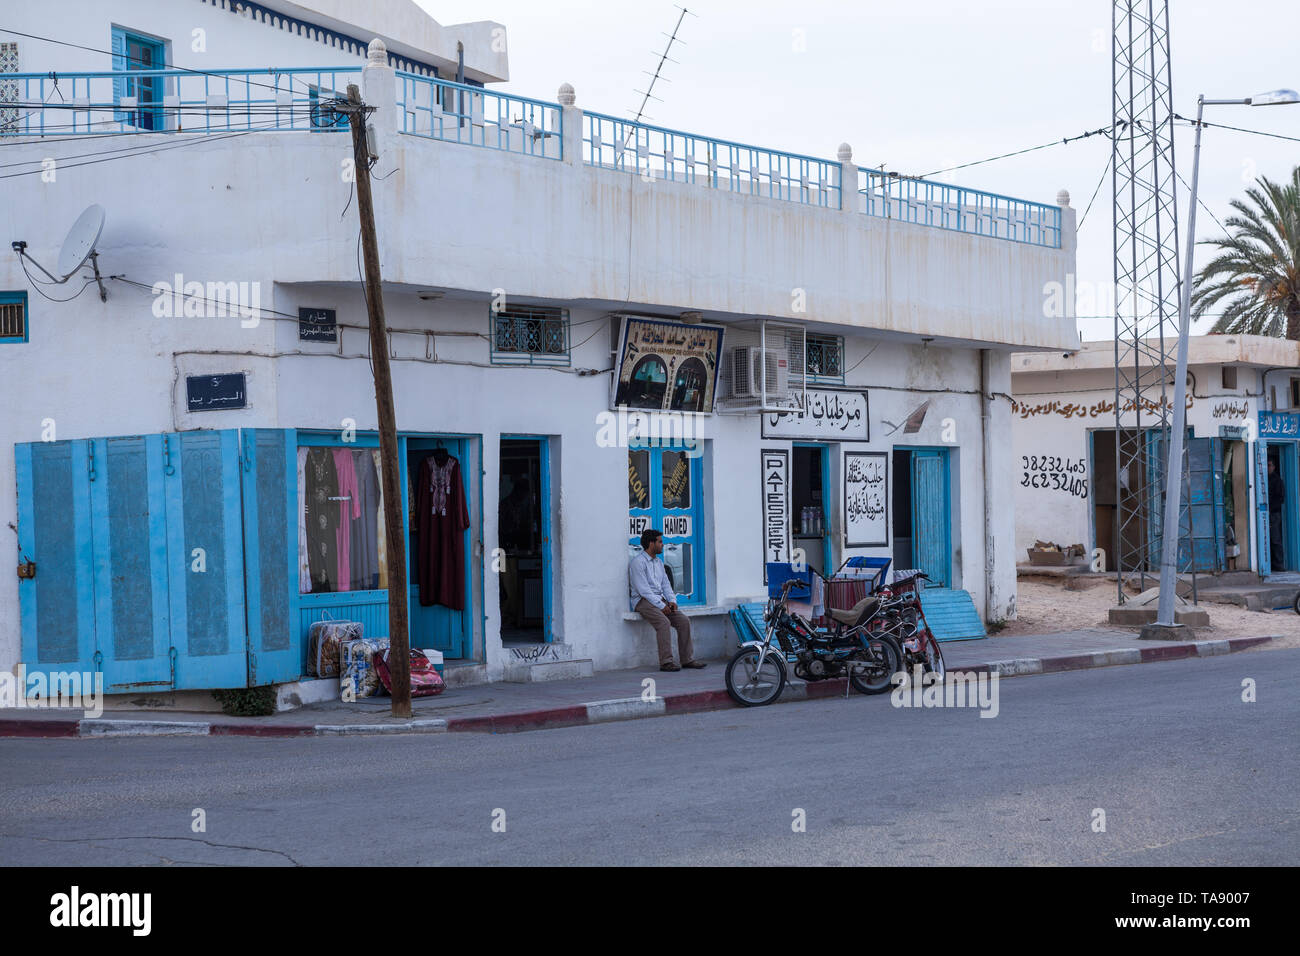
point(758, 373)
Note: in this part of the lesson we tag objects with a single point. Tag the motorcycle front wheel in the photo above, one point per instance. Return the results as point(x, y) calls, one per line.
point(877, 675)
point(932, 656)
point(750, 685)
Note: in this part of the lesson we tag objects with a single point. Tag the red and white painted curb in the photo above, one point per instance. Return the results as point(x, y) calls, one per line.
point(594, 712)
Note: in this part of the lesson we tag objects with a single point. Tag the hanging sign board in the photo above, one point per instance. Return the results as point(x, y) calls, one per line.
point(829, 415)
point(214, 393)
point(775, 471)
point(667, 366)
point(866, 499)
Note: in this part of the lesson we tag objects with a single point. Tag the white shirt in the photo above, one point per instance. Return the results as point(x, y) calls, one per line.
point(647, 578)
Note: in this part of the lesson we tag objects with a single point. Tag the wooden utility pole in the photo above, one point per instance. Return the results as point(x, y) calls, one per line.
point(399, 654)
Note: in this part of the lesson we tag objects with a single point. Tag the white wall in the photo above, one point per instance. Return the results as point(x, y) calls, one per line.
point(1056, 412)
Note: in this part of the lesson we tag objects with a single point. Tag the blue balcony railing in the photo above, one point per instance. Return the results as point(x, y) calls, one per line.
point(652, 151)
point(171, 100)
point(927, 203)
point(459, 113)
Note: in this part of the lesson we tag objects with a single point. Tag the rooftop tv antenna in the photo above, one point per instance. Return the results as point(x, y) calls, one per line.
point(646, 96)
point(78, 248)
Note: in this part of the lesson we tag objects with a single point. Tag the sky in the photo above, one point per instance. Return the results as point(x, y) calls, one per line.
point(925, 85)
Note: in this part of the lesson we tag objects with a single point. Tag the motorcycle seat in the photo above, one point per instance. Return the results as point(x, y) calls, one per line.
point(856, 613)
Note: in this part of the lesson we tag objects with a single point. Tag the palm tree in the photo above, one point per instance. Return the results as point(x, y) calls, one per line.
point(1257, 271)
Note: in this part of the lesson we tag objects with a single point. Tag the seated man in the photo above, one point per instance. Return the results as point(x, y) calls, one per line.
point(652, 597)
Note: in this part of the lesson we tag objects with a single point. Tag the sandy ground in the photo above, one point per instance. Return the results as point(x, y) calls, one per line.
point(1045, 608)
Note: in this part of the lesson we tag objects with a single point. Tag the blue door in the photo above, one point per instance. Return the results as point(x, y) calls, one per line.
point(129, 530)
point(139, 559)
point(1200, 526)
point(57, 603)
point(931, 534)
point(437, 627)
point(131, 55)
point(269, 477)
point(1262, 541)
point(205, 560)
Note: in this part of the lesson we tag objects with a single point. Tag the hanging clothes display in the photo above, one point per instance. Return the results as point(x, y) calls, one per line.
point(364, 543)
point(442, 520)
point(304, 564)
point(321, 513)
point(348, 512)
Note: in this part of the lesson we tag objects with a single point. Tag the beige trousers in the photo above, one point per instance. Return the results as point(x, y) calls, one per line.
point(661, 621)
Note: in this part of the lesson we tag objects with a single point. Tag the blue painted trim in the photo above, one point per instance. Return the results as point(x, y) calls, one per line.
point(16, 298)
point(656, 513)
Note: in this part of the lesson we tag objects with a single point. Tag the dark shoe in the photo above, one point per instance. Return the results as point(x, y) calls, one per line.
point(670, 666)
point(695, 665)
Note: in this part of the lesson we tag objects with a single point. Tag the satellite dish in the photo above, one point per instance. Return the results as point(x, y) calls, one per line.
point(78, 248)
point(82, 237)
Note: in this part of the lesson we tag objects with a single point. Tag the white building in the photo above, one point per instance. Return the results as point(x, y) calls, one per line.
point(1243, 408)
point(535, 257)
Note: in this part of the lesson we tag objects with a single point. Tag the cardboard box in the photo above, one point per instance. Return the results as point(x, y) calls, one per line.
point(1046, 558)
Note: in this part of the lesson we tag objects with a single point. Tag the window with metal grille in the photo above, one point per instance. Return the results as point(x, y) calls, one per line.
point(13, 316)
point(8, 89)
point(824, 359)
point(530, 336)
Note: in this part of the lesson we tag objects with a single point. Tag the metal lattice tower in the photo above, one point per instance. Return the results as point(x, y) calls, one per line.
point(1146, 270)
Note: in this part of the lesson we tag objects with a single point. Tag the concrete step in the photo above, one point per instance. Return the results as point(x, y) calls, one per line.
point(530, 673)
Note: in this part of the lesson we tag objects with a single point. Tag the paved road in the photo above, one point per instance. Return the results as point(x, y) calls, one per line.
point(1186, 772)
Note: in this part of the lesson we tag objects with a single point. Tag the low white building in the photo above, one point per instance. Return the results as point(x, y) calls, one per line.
point(556, 282)
point(1243, 408)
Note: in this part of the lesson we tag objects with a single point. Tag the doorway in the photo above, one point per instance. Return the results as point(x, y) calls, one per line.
point(523, 534)
point(1283, 554)
point(922, 521)
point(809, 501)
point(440, 626)
point(133, 53)
point(1111, 499)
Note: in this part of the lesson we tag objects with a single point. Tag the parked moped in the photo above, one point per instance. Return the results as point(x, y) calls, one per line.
point(756, 675)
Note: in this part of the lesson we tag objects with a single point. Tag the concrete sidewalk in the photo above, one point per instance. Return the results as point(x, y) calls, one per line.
point(610, 695)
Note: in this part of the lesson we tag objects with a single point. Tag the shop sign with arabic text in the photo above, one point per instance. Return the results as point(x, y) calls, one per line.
point(835, 416)
point(1279, 425)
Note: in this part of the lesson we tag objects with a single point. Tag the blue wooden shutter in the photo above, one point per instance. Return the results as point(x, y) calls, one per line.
point(1264, 553)
point(201, 477)
point(930, 516)
point(119, 64)
point(270, 489)
point(128, 520)
point(57, 605)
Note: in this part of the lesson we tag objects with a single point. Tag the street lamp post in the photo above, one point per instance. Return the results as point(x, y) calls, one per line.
point(1174, 485)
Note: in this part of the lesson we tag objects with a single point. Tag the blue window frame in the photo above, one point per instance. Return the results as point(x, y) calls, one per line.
point(824, 359)
point(13, 317)
point(530, 336)
point(322, 117)
point(665, 492)
point(133, 52)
